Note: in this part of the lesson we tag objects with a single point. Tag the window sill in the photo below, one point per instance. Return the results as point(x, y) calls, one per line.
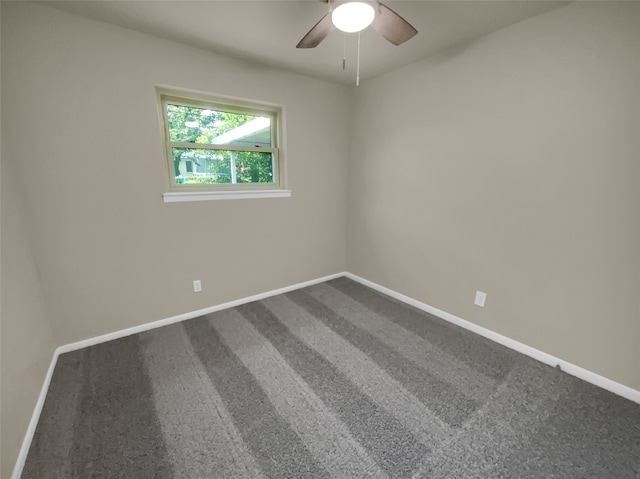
point(174, 197)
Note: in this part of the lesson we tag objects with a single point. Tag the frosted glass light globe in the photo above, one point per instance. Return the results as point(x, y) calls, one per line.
point(353, 17)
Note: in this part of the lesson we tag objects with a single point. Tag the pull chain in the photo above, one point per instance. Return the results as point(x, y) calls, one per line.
point(344, 51)
point(358, 63)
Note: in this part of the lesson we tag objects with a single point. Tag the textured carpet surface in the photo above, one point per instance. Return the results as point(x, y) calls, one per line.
point(334, 380)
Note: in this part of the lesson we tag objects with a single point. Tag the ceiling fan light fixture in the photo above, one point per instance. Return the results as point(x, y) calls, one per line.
point(352, 17)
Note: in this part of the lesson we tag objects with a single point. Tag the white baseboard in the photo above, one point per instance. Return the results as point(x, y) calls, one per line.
point(584, 374)
point(35, 417)
point(193, 314)
point(577, 371)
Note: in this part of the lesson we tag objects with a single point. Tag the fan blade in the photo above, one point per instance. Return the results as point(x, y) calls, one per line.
point(318, 33)
point(392, 26)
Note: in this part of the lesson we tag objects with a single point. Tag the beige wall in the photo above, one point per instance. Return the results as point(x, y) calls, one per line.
point(27, 343)
point(511, 166)
point(81, 134)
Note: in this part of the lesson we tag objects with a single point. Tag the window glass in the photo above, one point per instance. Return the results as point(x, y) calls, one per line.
point(199, 125)
point(212, 145)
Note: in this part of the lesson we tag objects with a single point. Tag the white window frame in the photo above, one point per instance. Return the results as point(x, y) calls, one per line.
point(181, 192)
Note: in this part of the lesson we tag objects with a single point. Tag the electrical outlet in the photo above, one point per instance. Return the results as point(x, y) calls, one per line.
point(197, 286)
point(481, 298)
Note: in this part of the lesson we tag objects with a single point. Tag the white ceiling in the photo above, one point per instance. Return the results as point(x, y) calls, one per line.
point(267, 31)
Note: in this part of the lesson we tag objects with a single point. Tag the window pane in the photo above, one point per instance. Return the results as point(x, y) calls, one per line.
point(215, 127)
point(253, 167)
point(194, 166)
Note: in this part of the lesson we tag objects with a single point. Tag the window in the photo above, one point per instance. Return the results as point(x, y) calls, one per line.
point(220, 148)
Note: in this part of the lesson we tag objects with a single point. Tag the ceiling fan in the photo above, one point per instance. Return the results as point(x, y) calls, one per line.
point(382, 19)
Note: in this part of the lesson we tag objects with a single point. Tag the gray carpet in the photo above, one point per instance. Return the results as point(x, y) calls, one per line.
point(334, 380)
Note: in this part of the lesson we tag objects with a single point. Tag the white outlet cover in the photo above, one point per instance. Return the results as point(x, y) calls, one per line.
point(481, 298)
point(197, 286)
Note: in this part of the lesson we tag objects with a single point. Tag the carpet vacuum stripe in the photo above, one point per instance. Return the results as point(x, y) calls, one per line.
point(358, 367)
point(117, 419)
point(51, 449)
point(324, 435)
point(393, 447)
point(274, 444)
point(488, 358)
point(441, 365)
point(445, 401)
point(199, 432)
